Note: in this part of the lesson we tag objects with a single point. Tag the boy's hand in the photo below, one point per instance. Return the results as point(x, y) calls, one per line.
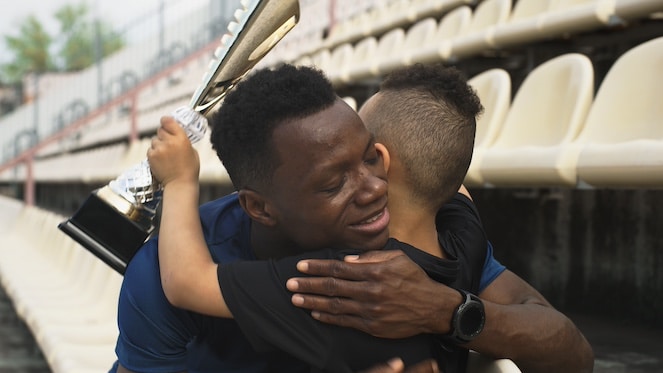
point(171, 156)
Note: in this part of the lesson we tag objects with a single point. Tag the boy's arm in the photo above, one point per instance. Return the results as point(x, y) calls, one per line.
point(188, 273)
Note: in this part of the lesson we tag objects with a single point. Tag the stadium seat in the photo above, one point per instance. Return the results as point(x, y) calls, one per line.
point(635, 9)
point(546, 115)
point(487, 16)
point(396, 13)
point(321, 59)
point(438, 47)
point(477, 363)
point(362, 59)
point(622, 142)
point(494, 90)
point(339, 60)
point(65, 295)
point(212, 170)
point(420, 34)
point(573, 16)
point(351, 101)
point(388, 44)
point(435, 8)
point(106, 155)
point(349, 30)
point(523, 25)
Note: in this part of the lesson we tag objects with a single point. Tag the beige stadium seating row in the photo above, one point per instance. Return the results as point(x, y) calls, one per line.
point(556, 132)
point(462, 32)
point(102, 164)
point(65, 295)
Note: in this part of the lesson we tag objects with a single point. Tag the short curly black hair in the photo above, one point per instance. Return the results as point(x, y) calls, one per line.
point(426, 116)
point(242, 128)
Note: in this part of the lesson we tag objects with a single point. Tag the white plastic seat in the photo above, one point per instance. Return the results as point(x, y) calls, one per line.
point(494, 90)
point(212, 170)
point(350, 29)
point(546, 115)
point(397, 13)
point(321, 59)
point(622, 143)
point(636, 9)
point(487, 16)
point(387, 44)
point(421, 33)
point(435, 8)
point(438, 47)
point(339, 60)
point(572, 16)
point(523, 25)
point(359, 67)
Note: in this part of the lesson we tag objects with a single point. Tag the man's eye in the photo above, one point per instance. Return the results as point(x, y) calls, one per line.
point(372, 161)
point(332, 189)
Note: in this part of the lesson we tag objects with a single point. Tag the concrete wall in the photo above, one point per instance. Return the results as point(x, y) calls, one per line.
point(592, 251)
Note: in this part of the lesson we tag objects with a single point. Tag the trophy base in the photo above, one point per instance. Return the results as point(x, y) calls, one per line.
point(105, 232)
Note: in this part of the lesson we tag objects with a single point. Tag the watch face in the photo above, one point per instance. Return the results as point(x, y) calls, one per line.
point(471, 323)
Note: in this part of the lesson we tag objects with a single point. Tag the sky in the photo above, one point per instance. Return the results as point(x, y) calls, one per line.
point(118, 13)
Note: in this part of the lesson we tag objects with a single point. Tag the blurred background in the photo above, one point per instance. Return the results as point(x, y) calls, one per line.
point(567, 170)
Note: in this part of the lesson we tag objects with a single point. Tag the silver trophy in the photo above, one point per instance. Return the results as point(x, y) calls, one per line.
point(115, 220)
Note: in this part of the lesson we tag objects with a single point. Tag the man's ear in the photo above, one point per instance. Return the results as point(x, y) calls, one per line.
point(386, 158)
point(256, 206)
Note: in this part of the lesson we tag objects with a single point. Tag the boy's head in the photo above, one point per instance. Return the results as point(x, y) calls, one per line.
point(426, 117)
point(305, 166)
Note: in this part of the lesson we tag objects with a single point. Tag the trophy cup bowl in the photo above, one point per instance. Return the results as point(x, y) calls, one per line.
point(116, 219)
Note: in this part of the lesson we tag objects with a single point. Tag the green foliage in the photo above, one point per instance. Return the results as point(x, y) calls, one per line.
point(31, 51)
point(73, 48)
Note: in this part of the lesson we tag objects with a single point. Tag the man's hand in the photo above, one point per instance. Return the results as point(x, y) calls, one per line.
point(382, 293)
point(171, 155)
point(397, 366)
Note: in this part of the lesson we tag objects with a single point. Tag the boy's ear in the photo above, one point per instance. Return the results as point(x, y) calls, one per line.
point(256, 206)
point(386, 158)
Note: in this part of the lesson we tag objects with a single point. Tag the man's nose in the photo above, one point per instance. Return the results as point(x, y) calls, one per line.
point(372, 188)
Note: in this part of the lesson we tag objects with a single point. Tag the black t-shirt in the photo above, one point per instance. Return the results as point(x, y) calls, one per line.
point(255, 293)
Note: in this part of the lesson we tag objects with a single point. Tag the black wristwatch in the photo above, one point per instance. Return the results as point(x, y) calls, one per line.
point(468, 319)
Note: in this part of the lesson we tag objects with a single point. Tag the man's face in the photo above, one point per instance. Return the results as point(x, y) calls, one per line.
point(330, 189)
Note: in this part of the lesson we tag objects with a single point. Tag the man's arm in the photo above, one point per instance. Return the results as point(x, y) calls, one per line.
point(540, 338)
point(188, 273)
point(372, 294)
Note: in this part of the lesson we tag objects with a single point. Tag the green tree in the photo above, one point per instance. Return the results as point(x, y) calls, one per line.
point(79, 38)
point(31, 51)
point(72, 49)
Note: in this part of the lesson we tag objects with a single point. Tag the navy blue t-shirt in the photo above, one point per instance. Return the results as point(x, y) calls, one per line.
point(157, 337)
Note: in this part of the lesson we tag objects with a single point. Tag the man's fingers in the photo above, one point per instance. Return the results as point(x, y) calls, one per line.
point(332, 305)
point(374, 256)
point(328, 286)
point(331, 268)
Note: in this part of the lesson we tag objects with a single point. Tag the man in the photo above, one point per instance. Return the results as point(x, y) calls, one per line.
point(292, 195)
point(253, 290)
point(371, 292)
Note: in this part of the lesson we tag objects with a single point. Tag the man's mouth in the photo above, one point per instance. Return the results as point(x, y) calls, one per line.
point(374, 224)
